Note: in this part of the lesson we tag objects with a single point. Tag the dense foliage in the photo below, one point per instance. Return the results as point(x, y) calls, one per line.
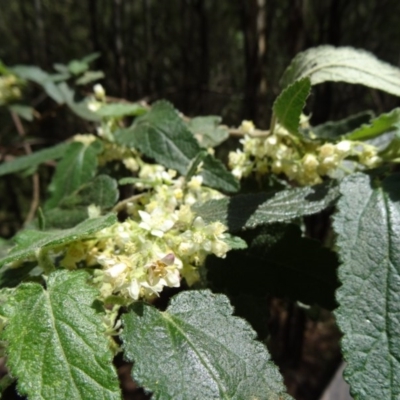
point(145, 205)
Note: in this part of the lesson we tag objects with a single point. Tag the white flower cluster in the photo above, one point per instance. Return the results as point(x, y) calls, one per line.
point(10, 89)
point(300, 161)
point(159, 244)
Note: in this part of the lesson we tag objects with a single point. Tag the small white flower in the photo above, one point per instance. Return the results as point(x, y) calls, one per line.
point(99, 92)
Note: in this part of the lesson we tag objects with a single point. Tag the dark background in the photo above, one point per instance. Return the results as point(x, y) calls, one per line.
point(222, 57)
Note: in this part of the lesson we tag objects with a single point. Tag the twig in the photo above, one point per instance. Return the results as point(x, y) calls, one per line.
point(122, 204)
point(35, 178)
point(240, 133)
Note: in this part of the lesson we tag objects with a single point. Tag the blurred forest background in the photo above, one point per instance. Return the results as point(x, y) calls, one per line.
point(219, 57)
point(205, 56)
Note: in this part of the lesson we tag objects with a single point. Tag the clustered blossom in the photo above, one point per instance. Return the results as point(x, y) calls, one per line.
point(10, 89)
point(160, 243)
point(303, 162)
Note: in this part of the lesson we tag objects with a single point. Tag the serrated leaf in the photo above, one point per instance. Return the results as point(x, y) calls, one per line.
point(77, 167)
point(207, 130)
point(42, 78)
point(290, 103)
point(197, 350)
point(343, 64)
point(252, 210)
point(32, 160)
point(57, 347)
point(23, 111)
point(368, 239)
point(102, 191)
point(334, 130)
point(383, 123)
point(30, 241)
point(278, 262)
point(117, 110)
point(161, 134)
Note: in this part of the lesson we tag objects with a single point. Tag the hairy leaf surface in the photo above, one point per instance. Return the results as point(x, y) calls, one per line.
point(102, 191)
point(196, 349)
point(290, 103)
point(368, 238)
point(161, 134)
point(57, 348)
point(252, 210)
point(343, 64)
point(77, 167)
point(30, 241)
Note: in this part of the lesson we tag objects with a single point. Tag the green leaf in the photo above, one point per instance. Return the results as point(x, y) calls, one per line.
point(57, 347)
point(77, 167)
point(195, 163)
point(32, 160)
point(29, 242)
point(90, 57)
point(77, 67)
point(42, 78)
point(343, 64)
point(90, 76)
point(383, 123)
point(102, 191)
point(278, 262)
point(23, 111)
point(80, 107)
point(161, 134)
point(290, 103)
point(334, 130)
point(197, 350)
point(118, 110)
point(251, 210)
point(207, 130)
point(368, 239)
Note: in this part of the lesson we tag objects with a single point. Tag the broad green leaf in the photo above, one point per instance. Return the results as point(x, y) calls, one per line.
point(32, 160)
point(161, 134)
point(368, 238)
point(42, 78)
point(207, 130)
point(251, 210)
point(383, 123)
point(77, 167)
point(117, 110)
point(57, 347)
point(101, 191)
point(334, 130)
point(29, 242)
point(79, 107)
point(290, 103)
point(196, 349)
point(23, 111)
point(343, 64)
point(278, 262)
